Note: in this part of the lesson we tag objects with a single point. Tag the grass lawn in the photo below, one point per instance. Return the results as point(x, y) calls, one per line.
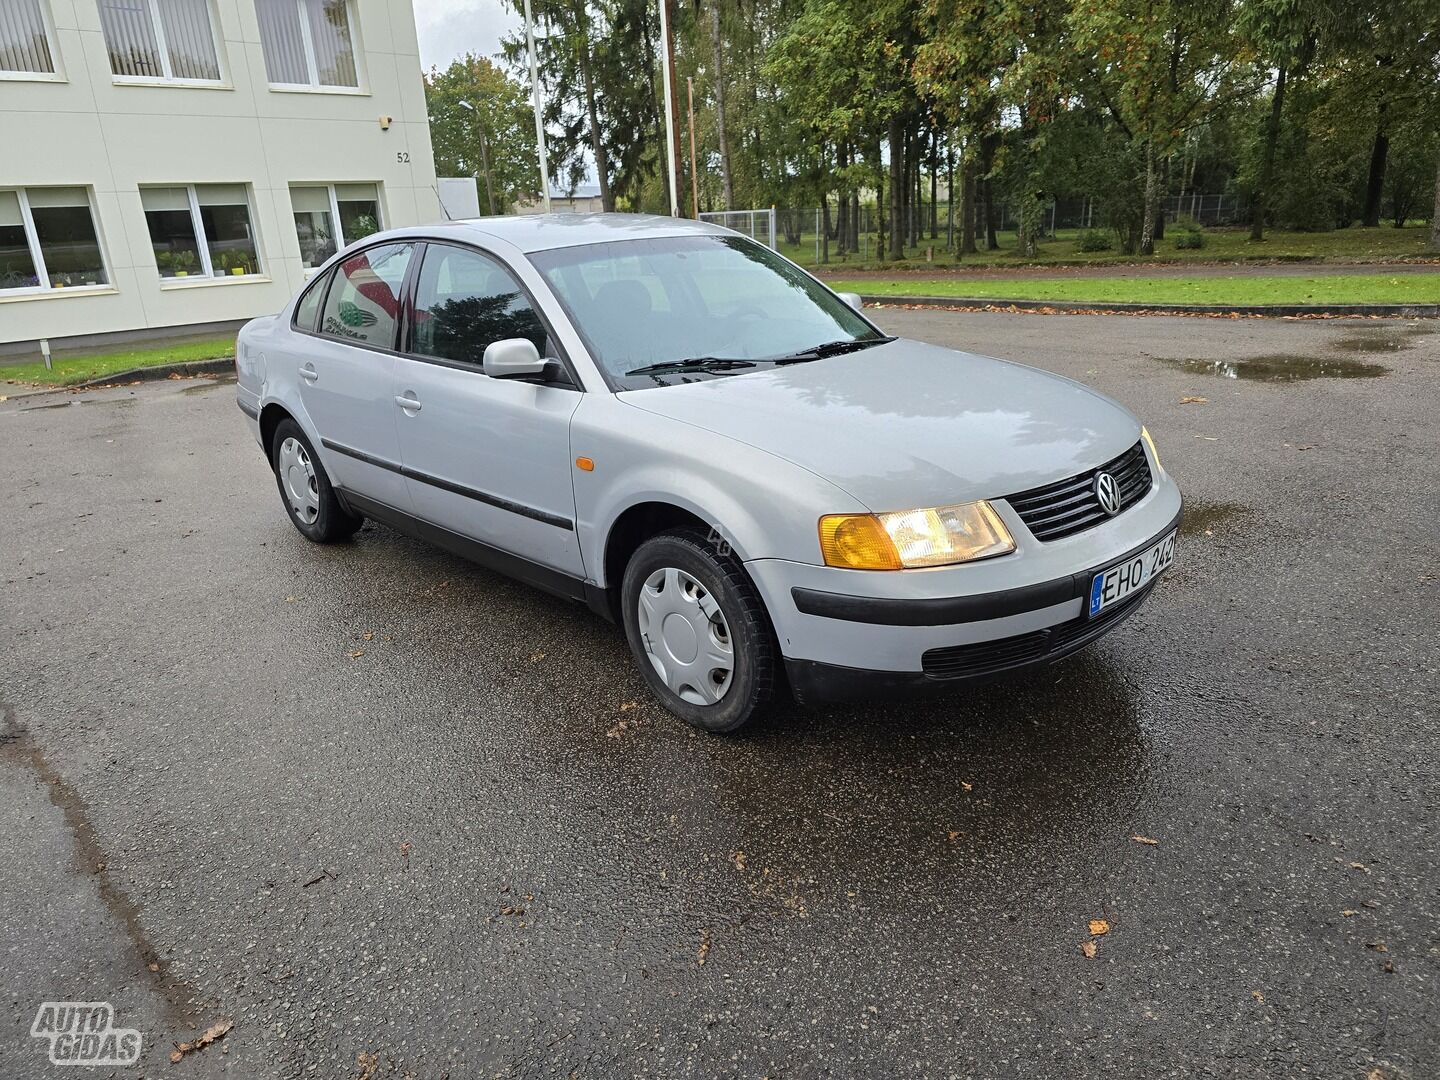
point(69, 370)
point(1419, 288)
point(1221, 245)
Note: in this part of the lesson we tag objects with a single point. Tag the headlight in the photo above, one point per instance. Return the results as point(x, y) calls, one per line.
point(911, 538)
point(1154, 454)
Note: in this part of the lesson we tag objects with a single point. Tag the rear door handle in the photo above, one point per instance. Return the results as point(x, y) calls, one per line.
point(308, 373)
point(409, 402)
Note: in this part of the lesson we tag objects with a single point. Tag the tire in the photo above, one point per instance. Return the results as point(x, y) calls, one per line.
point(686, 575)
point(305, 490)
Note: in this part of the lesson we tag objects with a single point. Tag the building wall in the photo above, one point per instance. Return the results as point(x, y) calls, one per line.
point(92, 131)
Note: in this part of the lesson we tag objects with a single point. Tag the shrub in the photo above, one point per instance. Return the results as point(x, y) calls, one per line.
point(1094, 240)
point(1189, 240)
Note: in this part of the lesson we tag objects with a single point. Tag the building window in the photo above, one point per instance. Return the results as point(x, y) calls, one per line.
point(307, 43)
point(168, 40)
point(48, 240)
point(25, 39)
point(201, 230)
point(327, 217)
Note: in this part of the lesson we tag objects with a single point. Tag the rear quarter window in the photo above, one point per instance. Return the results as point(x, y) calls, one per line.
point(308, 309)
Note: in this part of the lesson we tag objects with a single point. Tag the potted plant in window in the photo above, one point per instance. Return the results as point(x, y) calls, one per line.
point(363, 226)
point(185, 261)
point(165, 263)
point(237, 262)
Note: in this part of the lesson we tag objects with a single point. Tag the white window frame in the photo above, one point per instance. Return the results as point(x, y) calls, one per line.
point(202, 242)
point(340, 242)
point(37, 256)
point(162, 49)
point(315, 86)
point(52, 42)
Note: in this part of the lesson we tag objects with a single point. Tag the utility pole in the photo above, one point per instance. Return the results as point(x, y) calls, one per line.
point(484, 154)
point(539, 123)
point(694, 174)
point(667, 65)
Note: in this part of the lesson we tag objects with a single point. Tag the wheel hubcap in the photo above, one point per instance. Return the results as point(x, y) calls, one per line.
point(297, 477)
point(686, 636)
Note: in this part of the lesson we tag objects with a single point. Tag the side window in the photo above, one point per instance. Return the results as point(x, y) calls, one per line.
point(465, 301)
point(364, 303)
point(309, 305)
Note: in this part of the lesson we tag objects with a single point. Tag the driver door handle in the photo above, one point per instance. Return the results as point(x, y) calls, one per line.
point(408, 402)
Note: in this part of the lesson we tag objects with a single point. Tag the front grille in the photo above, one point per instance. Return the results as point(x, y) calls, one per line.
point(988, 657)
point(1070, 506)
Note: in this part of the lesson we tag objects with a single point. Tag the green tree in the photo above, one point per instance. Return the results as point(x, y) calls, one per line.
point(492, 140)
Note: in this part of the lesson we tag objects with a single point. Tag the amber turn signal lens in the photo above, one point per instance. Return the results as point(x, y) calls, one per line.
point(584, 464)
point(856, 542)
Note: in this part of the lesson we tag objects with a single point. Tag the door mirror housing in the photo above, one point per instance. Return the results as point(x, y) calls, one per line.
point(513, 358)
point(853, 299)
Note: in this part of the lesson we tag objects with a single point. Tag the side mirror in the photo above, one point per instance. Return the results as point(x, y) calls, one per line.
point(853, 299)
point(513, 358)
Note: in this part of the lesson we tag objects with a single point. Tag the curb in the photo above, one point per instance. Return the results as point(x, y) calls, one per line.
point(1067, 307)
point(144, 374)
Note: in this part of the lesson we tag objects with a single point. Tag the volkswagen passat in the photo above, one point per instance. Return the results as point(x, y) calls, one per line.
point(678, 427)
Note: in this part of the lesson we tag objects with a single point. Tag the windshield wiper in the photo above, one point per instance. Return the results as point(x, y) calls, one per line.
point(695, 363)
point(830, 348)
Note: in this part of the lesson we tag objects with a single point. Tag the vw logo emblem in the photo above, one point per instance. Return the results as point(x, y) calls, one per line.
point(1107, 491)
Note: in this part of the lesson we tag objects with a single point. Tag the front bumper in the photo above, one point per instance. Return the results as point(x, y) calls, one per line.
point(847, 633)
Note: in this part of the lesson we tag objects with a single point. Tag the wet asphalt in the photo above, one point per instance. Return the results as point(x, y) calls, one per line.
point(395, 816)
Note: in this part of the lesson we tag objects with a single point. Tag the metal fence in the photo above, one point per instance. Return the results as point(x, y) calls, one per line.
point(802, 233)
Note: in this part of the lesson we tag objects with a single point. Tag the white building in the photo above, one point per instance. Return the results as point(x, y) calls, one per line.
point(169, 163)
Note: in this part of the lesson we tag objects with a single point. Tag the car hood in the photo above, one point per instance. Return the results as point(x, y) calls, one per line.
point(905, 424)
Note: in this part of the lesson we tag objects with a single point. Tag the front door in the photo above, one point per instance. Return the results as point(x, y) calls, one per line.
point(347, 374)
point(486, 458)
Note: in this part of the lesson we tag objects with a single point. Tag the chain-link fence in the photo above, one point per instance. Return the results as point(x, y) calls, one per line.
point(811, 237)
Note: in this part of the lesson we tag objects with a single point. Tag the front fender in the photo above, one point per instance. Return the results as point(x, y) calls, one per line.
point(764, 507)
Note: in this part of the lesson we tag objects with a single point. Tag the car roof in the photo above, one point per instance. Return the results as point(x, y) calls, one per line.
point(543, 232)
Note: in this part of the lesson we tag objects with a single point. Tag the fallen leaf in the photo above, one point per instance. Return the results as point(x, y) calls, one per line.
point(1208, 438)
point(626, 706)
point(1194, 400)
point(405, 850)
point(368, 635)
point(1378, 946)
point(153, 967)
point(356, 654)
point(967, 787)
point(1099, 927)
point(1370, 903)
point(1147, 840)
point(1348, 912)
point(1087, 949)
point(1389, 967)
point(290, 599)
point(704, 950)
point(1258, 996)
point(953, 835)
point(535, 658)
point(212, 1033)
point(1359, 866)
point(738, 858)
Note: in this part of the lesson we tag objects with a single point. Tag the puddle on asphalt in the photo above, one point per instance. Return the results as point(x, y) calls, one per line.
point(1382, 339)
point(1279, 367)
point(200, 388)
point(1202, 518)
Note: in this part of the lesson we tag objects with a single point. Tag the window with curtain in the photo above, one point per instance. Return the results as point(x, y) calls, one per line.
point(201, 230)
point(330, 216)
point(48, 240)
point(25, 38)
point(172, 40)
point(307, 42)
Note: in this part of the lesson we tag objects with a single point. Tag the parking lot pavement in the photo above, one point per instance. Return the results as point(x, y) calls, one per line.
point(393, 815)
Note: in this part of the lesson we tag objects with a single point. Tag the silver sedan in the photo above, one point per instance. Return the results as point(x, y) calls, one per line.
point(694, 437)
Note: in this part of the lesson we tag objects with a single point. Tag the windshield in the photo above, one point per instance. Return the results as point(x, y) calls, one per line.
point(713, 300)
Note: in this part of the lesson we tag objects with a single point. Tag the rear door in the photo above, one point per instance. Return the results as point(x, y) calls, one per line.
point(486, 458)
point(347, 373)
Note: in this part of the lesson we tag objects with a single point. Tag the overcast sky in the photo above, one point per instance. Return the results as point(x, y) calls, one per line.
point(451, 28)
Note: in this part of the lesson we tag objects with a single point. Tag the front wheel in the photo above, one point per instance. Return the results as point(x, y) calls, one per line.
point(309, 499)
point(699, 630)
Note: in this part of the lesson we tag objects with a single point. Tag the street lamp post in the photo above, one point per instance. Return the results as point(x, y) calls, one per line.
point(484, 155)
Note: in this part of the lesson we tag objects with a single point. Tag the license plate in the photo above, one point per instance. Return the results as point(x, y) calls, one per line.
point(1115, 584)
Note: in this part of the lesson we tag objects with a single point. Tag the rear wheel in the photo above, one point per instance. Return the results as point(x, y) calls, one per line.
point(699, 630)
point(305, 489)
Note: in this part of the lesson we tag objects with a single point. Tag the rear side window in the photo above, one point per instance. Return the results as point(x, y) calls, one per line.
point(309, 306)
point(364, 303)
point(465, 301)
